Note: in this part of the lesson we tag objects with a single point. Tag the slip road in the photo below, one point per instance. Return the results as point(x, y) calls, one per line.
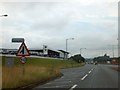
point(88, 76)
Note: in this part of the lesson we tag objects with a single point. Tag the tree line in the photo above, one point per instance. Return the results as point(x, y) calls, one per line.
point(78, 58)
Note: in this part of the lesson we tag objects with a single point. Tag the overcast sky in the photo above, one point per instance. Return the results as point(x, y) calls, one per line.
point(92, 23)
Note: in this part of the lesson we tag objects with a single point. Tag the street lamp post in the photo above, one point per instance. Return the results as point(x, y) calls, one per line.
point(67, 44)
point(113, 50)
point(118, 46)
point(81, 50)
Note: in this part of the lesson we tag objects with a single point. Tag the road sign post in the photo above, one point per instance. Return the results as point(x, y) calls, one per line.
point(23, 51)
point(23, 61)
point(23, 69)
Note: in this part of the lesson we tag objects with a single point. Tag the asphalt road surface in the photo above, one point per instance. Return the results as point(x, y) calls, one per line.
point(88, 76)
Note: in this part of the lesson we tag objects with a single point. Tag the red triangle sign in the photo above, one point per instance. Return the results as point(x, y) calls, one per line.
point(23, 50)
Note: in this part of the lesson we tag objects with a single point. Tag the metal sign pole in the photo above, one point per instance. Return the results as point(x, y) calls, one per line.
point(22, 51)
point(23, 60)
point(23, 69)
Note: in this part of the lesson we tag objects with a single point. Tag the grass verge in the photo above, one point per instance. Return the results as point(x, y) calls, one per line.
point(36, 70)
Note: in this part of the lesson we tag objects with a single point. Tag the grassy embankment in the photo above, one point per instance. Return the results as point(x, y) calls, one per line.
point(36, 70)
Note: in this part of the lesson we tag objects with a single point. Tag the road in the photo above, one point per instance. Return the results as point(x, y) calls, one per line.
point(88, 76)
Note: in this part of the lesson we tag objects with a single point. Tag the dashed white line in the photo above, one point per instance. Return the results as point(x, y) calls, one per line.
point(89, 72)
point(92, 69)
point(81, 79)
point(48, 83)
point(73, 87)
point(84, 77)
point(56, 86)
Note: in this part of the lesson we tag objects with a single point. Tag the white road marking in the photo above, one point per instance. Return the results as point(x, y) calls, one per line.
point(73, 87)
point(89, 72)
point(84, 77)
point(48, 83)
point(92, 69)
point(56, 86)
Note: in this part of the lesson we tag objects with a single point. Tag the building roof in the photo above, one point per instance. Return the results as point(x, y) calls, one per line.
point(63, 51)
point(39, 50)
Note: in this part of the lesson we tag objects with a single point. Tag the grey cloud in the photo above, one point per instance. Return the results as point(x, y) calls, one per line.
point(51, 23)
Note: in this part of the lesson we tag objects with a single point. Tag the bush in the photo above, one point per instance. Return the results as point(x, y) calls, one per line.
point(78, 58)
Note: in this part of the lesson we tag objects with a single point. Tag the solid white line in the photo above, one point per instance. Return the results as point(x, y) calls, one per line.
point(84, 77)
point(89, 72)
point(73, 87)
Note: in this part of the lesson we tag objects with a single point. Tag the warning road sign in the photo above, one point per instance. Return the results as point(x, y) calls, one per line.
point(23, 60)
point(23, 51)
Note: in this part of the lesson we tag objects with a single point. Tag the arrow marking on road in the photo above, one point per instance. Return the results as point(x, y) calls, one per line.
point(84, 77)
point(73, 87)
